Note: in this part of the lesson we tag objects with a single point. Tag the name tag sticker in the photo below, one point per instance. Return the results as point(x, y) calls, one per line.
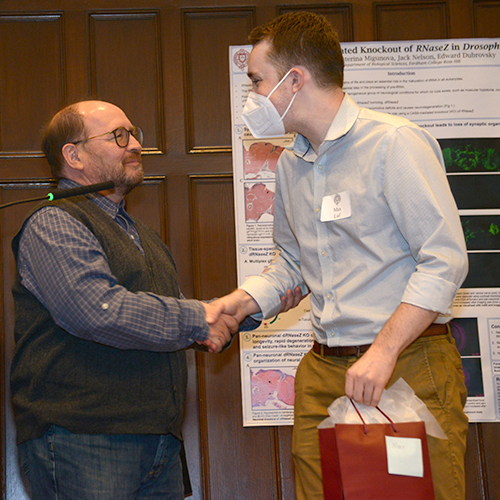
point(336, 207)
point(404, 456)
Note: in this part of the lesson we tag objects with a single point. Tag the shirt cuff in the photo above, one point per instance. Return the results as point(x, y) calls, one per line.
point(266, 296)
point(430, 292)
point(196, 324)
point(249, 324)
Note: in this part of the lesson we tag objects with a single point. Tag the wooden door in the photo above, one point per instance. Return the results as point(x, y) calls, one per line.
point(166, 64)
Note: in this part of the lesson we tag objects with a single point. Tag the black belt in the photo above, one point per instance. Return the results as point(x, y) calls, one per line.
point(356, 350)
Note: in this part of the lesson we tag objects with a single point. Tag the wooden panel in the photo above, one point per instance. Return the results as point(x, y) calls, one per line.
point(411, 20)
point(126, 69)
point(491, 444)
point(284, 457)
point(229, 472)
point(339, 15)
point(487, 18)
point(213, 235)
point(179, 231)
point(32, 86)
point(474, 464)
point(207, 35)
point(148, 203)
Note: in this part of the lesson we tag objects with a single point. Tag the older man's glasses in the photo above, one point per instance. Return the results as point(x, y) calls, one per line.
point(121, 135)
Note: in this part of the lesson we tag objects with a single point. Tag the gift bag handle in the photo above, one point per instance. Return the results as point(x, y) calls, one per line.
point(364, 424)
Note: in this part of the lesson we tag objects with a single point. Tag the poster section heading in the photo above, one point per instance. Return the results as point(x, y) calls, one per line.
point(438, 84)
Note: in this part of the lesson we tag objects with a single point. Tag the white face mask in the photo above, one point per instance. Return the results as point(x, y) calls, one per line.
point(262, 117)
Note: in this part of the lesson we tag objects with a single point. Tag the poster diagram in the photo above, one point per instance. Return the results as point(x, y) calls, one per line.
point(452, 89)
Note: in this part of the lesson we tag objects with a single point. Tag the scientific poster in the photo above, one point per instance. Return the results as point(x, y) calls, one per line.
point(452, 89)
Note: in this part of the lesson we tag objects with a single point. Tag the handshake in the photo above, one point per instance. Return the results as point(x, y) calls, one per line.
point(224, 315)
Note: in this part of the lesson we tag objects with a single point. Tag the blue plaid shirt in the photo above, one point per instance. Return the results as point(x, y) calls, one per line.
point(62, 263)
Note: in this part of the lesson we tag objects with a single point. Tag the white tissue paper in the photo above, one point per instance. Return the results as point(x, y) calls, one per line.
point(399, 403)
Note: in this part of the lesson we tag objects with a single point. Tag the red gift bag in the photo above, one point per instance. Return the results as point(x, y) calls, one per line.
point(354, 462)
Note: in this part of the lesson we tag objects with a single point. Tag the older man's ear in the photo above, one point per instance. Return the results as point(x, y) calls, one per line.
point(71, 156)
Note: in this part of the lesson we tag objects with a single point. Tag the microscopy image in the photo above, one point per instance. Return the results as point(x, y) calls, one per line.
point(482, 232)
point(466, 335)
point(273, 387)
point(484, 270)
point(471, 155)
point(475, 191)
point(259, 202)
point(473, 376)
point(260, 159)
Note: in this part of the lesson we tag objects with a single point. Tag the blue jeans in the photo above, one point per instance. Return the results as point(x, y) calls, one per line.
point(65, 466)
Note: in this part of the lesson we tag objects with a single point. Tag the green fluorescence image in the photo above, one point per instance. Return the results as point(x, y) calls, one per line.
point(471, 155)
point(471, 158)
point(481, 232)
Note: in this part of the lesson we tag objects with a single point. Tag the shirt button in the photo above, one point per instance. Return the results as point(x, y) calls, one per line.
point(316, 209)
point(320, 167)
point(104, 306)
point(323, 253)
point(328, 296)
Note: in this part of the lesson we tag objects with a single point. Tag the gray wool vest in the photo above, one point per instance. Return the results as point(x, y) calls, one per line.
point(91, 388)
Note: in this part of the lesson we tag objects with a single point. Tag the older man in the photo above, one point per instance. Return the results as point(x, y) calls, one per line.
point(99, 373)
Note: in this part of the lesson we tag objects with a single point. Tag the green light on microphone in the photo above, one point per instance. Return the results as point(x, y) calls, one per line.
point(50, 196)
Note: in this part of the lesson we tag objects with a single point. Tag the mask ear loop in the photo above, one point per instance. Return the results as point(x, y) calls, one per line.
point(290, 105)
point(277, 85)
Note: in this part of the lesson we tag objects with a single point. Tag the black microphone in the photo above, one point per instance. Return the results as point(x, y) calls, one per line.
point(92, 188)
point(66, 193)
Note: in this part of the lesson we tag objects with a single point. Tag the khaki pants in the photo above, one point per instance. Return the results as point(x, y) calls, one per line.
point(431, 366)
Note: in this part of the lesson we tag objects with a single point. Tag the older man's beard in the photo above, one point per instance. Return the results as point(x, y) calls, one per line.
point(126, 180)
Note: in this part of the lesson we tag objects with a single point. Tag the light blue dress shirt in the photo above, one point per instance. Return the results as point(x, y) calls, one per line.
point(402, 242)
